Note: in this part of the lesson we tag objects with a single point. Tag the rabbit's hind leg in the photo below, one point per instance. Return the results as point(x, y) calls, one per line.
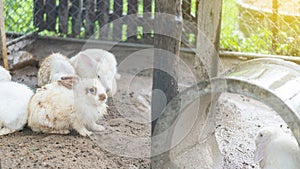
point(50, 130)
point(59, 131)
point(5, 131)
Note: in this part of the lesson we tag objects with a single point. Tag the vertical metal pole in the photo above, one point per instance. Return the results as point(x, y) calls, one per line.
point(3, 37)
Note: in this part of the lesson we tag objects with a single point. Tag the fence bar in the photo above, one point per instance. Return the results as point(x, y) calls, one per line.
point(103, 19)
point(197, 14)
point(76, 12)
point(147, 25)
point(147, 6)
point(90, 14)
point(186, 9)
point(117, 28)
point(3, 49)
point(38, 14)
point(132, 26)
point(63, 15)
point(50, 15)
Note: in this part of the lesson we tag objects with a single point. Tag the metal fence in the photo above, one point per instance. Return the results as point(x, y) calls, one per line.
point(105, 19)
point(267, 27)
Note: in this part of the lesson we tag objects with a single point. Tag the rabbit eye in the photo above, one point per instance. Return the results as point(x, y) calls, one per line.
point(261, 135)
point(92, 90)
point(98, 76)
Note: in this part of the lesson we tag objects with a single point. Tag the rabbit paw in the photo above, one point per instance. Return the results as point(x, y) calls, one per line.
point(97, 128)
point(84, 132)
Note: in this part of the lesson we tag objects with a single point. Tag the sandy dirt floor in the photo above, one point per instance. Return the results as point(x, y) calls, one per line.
point(238, 119)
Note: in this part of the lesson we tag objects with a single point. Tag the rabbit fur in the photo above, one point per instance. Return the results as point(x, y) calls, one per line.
point(97, 63)
point(14, 99)
point(53, 68)
point(4, 74)
point(276, 149)
point(68, 104)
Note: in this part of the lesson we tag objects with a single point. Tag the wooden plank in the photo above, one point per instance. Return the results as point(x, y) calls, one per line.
point(90, 14)
point(103, 18)
point(50, 9)
point(38, 14)
point(132, 22)
point(63, 15)
point(117, 26)
point(3, 49)
point(76, 12)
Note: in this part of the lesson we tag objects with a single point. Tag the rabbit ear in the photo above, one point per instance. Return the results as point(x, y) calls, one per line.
point(87, 60)
point(68, 81)
point(260, 149)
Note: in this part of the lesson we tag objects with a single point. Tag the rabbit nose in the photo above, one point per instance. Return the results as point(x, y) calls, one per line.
point(107, 90)
point(102, 97)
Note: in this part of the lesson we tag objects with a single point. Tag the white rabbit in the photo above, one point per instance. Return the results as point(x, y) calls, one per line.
point(53, 68)
point(97, 63)
point(4, 74)
point(14, 99)
point(276, 149)
point(69, 103)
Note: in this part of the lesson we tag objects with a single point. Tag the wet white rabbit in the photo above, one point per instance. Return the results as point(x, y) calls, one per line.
point(276, 149)
point(97, 63)
point(4, 74)
point(14, 99)
point(53, 68)
point(69, 103)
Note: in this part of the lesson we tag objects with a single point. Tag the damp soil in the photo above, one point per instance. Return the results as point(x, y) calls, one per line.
point(238, 119)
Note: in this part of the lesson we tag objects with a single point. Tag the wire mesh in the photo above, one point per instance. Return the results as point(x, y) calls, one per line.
point(268, 26)
point(92, 19)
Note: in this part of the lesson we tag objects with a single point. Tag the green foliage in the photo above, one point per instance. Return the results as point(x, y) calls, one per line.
point(18, 16)
point(257, 37)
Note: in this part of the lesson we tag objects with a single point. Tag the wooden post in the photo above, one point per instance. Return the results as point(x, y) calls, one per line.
point(167, 39)
point(209, 27)
point(199, 142)
point(275, 25)
point(3, 37)
point(165, 63)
